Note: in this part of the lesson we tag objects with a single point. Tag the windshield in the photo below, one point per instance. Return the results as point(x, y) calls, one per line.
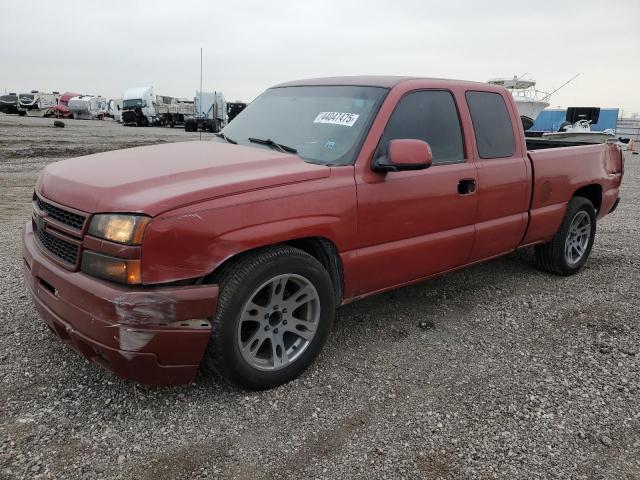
point(325, 124)
point(134, 102)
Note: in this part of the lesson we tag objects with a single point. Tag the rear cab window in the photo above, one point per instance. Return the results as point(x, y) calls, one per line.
point(431, 116)
point(491, 124)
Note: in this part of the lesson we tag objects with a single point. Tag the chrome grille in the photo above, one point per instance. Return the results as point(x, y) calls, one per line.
point(64, 217)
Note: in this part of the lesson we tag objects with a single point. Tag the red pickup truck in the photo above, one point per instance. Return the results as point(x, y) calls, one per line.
point(235, 252)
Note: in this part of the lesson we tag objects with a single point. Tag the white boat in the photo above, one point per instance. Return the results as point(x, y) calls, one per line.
point(580, 132)
point(530, 102)
point(37, 104)
point(577, 127)
point(88, 107)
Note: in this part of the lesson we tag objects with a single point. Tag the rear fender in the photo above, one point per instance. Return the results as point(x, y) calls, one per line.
point(558, 174)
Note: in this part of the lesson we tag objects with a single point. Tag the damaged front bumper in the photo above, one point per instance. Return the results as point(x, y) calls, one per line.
point(153, 335)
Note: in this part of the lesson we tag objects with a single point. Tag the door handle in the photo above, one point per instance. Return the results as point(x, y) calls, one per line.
point(467, 186)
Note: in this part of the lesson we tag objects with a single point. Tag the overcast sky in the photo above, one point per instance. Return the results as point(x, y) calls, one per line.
point(105, 47)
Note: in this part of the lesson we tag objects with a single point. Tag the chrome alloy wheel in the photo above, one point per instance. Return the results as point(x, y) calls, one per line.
point(578, 238)
point(278, 322)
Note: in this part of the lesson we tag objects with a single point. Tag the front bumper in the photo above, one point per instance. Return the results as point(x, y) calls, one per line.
point(153, 335)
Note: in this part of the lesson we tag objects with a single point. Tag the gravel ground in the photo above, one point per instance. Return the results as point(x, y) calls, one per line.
point(498, 371)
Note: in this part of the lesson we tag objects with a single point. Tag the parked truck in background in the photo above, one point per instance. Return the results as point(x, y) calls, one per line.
point(62, 110)
point(173, 111)
point(142, 107)
point(139, 107)
point(234, 253)
point(234, 109)
point(210, 113)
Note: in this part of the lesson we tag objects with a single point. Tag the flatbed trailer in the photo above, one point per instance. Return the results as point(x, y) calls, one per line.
point(173, 111)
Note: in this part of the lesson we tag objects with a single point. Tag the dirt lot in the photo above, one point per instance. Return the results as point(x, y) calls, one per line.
point(499, 371)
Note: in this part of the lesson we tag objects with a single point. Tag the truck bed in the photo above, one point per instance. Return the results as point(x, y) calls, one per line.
point(560, 172)
point(540, 143)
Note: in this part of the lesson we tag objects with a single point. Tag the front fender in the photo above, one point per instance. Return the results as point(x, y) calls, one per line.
point(192, 241)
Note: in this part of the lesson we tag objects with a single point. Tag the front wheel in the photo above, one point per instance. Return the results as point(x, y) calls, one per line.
point(274, 314)
point(570, 247)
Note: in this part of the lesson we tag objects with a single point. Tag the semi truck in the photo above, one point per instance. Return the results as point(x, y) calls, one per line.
point(234, 109)
point(142, 107)
point(139, 107)
point(210, 113)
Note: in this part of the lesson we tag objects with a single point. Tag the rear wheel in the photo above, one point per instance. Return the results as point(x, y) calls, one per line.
point(570, 247)
point(274, 314)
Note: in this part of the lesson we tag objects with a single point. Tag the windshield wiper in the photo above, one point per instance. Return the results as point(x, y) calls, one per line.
point(272, 144)
point(224, 137)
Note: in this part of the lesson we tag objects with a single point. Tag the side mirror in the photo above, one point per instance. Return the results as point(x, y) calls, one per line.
point(404, 154)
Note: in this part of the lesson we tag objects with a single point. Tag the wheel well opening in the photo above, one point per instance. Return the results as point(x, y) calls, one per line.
point(593, 193)
point(320, 248)
point(327, 254)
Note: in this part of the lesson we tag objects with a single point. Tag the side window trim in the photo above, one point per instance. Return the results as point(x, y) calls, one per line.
point(465, 156)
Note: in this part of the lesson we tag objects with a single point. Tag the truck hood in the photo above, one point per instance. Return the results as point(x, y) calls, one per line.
point(158, 178)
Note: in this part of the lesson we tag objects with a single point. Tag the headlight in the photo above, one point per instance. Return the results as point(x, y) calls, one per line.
point(119, 270)
point(120, 228)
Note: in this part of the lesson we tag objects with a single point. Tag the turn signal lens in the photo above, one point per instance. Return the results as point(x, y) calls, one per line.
point(114, 269)
point(127, 229)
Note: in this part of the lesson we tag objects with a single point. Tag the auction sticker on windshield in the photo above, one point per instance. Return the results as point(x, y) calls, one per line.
point(337, 118)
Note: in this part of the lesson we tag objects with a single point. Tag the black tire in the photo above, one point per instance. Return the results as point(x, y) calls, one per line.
point(551, 257)
point(238, 282)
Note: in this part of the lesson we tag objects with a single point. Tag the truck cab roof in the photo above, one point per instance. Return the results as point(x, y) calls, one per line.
point(384, 81)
